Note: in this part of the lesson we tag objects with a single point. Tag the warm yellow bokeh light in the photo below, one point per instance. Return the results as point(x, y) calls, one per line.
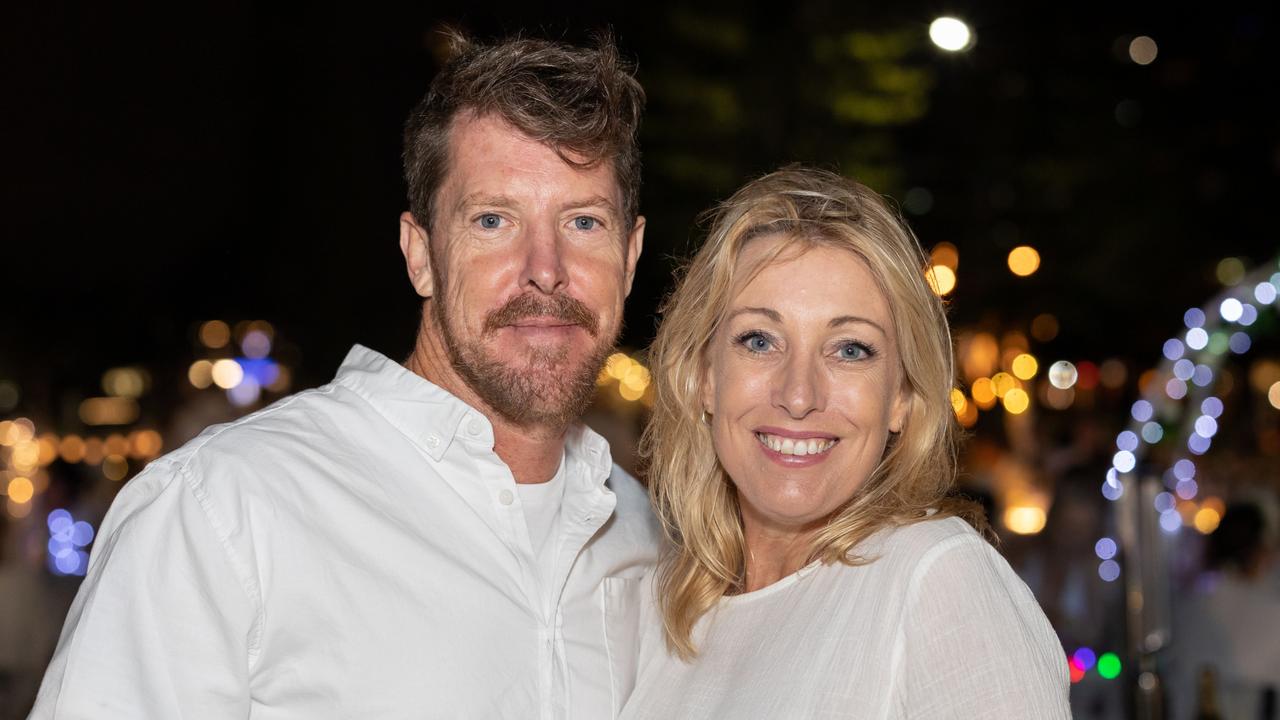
point(48, 449)
point(124, 382)
point(984, 393)
point(941, 279)
point(1024, 519)
point(617, 365)
point(970, 415)
point(1002, 383)
point(115, 467)
point(25, 456)
point(93, 453)
point(1207, 520)
point(1273, 396)
point(108, 410)
point(637, 377)
point(145, 444)
point(1025, 366)
point(946, 255)
point(21, 490)
point(629, 393)
point(200, 374)
point(215, 334)
point(958, 401)
point(980, 354)
point(1024, 260)
point(1017, 401)
point(227, 374)
point(71, 449)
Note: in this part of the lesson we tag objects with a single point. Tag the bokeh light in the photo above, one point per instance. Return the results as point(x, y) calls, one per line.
point(20, 489)
point(1230, 271)
point(1109, 666)
point(1063, 375)
point(941, 279)
point(951, 34)
point(945, 254)
point(226, 373)
point(1024, 260)
point(1143, 50)
point(1025, 366)
point(1024, 519)
point(1016, 401)
point(215, 334)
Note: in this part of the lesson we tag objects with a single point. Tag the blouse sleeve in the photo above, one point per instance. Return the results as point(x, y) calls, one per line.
point(974, 642)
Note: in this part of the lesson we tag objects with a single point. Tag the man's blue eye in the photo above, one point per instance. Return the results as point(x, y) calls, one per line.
point(584, 223)
point(490, 221)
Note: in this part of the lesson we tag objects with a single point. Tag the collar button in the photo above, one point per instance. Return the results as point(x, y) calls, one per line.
point(433, 441)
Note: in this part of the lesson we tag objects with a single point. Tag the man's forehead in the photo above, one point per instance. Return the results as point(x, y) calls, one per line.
point(488, 155)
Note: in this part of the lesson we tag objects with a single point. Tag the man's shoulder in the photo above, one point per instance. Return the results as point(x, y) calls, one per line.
point(633, 509)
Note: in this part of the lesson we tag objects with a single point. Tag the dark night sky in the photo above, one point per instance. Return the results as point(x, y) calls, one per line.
point(171, 165)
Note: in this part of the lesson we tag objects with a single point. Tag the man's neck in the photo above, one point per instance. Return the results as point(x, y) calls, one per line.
point(532, 453)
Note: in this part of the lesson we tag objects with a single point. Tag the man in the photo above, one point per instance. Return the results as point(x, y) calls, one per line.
point(439, 539)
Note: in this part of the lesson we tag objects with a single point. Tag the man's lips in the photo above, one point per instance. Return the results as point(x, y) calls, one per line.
point(542, 322)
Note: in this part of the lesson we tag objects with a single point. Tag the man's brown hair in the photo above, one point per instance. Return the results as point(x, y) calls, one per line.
point(580, 102)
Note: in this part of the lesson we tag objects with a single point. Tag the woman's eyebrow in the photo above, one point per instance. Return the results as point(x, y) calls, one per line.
point(855, 319)
point(770, 313)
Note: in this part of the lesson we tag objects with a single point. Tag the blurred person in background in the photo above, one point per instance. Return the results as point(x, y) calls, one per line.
point(801, 450)
point(439, 538)
point(1231, 625)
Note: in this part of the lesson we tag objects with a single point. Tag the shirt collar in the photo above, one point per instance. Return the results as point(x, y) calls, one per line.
point(432, 417)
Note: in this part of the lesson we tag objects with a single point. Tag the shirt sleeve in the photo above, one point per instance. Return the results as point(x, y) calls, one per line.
point(163, 623)
point(974, 642)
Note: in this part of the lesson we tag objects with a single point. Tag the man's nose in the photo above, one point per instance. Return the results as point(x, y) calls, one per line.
point(544, 262)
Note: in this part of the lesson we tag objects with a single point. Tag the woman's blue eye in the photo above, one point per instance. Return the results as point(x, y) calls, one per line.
point(852, 351)
point(756, 342)
point(584, 223)
point(490, 221)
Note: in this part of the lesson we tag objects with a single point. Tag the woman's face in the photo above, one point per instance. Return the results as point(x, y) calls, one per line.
point(804, 385)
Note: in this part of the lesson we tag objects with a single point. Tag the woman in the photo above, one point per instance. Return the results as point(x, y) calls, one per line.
point(800, 453)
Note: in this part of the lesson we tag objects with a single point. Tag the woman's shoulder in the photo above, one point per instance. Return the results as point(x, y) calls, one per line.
point(926, 538)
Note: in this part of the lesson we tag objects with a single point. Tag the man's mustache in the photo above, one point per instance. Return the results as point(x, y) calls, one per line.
point(560, 307)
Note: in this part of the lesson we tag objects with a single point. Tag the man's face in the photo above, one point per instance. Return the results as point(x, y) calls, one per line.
point(530, 261)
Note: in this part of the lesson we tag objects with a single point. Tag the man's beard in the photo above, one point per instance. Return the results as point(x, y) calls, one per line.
point(548, 391)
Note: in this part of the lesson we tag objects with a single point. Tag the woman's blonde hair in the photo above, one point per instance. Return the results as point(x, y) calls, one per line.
point(694, 498)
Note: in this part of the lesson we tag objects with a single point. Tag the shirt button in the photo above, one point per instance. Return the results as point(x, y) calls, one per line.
point(433, 441)
point(474, 426)
point(506, 497)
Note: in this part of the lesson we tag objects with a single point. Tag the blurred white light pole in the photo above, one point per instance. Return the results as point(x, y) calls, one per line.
point(951, 34)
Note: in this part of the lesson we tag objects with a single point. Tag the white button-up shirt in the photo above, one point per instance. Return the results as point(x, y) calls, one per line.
point(356, 551)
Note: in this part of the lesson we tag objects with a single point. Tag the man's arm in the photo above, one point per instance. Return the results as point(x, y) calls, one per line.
point(163, 624)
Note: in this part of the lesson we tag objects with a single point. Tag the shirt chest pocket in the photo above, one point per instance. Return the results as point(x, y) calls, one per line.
point(621, 605)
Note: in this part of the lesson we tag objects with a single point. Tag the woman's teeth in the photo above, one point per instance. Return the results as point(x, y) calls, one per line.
point(792, 446)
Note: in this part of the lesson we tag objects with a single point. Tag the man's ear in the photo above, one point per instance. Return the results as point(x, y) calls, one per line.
point(417, 258)
point(635, 244)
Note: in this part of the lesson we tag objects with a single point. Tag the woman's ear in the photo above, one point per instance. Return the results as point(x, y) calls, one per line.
point(417, 256)
point(901, 409)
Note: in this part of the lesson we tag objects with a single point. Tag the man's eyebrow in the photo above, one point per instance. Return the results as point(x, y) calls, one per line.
point(479, 198)
point(770, 313)
point(855, 319)
point(592, 201)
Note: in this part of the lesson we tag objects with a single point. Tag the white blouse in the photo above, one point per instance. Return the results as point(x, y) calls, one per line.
point(938, 626)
